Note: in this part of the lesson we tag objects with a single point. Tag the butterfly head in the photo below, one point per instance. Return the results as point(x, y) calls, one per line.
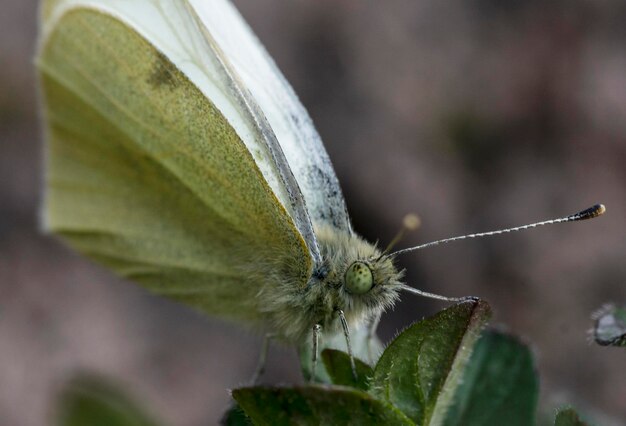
point(359, 280)
point(370, 284)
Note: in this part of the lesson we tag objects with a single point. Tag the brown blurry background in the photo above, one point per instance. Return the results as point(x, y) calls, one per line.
point(475, 115)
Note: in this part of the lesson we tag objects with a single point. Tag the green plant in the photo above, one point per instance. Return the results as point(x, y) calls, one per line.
point(439, 371)
point(444, 370)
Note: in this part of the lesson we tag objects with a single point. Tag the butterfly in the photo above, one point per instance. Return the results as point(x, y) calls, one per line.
point(179, 156)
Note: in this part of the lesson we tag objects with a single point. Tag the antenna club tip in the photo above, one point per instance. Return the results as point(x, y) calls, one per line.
point(590, 213)
point(411, 222)
point(595, 211)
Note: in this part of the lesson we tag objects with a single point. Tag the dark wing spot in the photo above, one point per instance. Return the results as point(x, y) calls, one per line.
point(163, 72)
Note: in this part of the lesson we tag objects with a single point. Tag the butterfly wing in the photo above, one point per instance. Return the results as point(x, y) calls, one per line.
point(153, 166)
point(299, 141)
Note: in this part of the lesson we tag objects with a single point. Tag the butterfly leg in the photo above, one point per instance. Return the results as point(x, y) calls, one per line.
point(371, 334)
point(260, 369)
point(316, 340)
point(346, 333)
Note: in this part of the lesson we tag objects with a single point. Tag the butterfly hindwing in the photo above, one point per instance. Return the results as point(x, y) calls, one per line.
point(146, 175)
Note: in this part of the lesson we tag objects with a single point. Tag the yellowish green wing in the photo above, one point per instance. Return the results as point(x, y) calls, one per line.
point(145, 175)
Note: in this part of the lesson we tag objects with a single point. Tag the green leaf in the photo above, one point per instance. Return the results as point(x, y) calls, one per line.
point(420, 370)
point(316, 405)
point(568, 417)
point(499, 385)
point(338, 366)
point(91, 401)
point(610, 326)
point(235, 416)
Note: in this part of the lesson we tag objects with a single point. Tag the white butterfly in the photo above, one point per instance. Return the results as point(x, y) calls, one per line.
point(274, 247)
point(180, 157)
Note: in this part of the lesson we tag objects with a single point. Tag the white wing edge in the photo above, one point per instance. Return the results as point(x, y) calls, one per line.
point(289, 120)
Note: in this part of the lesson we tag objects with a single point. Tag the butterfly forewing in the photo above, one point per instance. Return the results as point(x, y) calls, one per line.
point(279, 105)
point(147, 175)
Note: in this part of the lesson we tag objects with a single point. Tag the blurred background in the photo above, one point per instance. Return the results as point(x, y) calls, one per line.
point(475, 115)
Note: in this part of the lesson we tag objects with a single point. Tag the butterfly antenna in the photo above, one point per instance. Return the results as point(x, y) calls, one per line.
point(589, 213)
point(410, 223)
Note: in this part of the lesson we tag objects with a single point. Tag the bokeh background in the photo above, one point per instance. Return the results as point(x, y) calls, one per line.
point(475, 115)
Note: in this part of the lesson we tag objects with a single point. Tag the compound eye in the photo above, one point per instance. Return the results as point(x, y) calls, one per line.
point(359, 278)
